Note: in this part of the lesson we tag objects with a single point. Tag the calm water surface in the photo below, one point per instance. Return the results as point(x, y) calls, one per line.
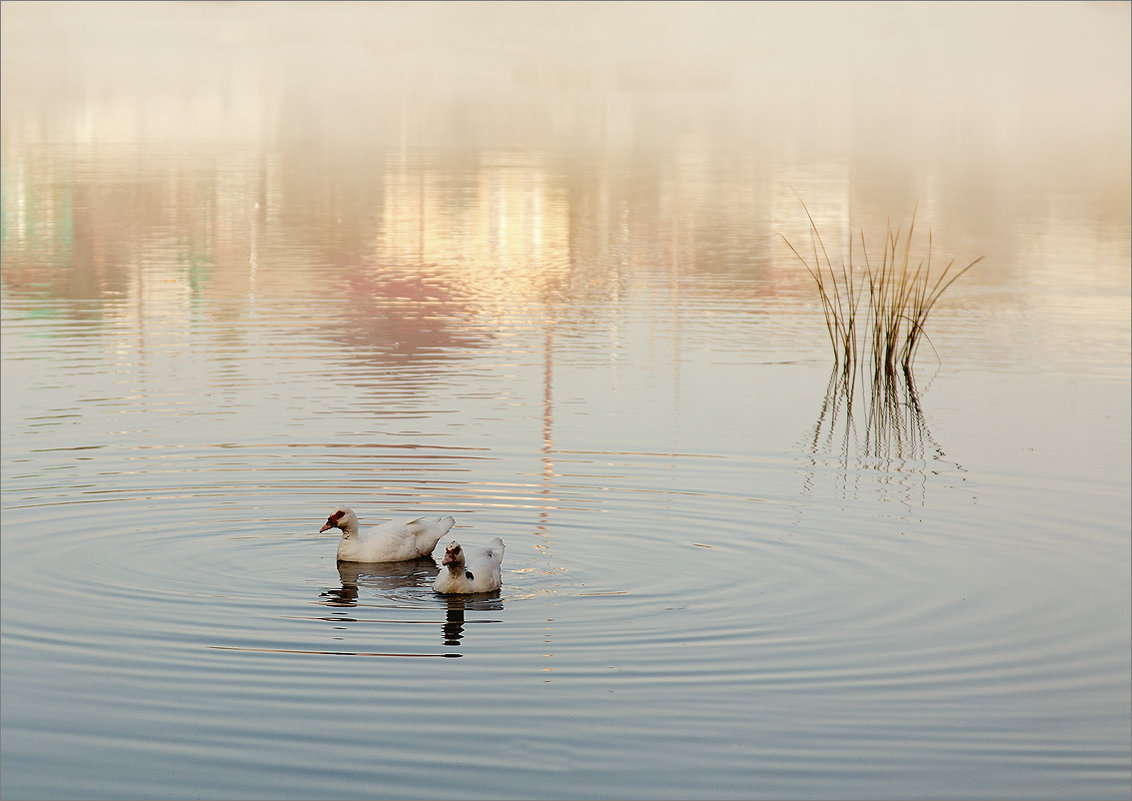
point(525, 267)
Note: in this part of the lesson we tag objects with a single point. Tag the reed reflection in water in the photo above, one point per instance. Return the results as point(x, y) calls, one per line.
point(522, 263)
point(875, 426)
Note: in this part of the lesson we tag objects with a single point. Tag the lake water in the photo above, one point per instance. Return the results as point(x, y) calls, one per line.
point(524, 264)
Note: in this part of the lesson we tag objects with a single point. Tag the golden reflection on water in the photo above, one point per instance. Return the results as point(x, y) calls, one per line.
point(527, 154)
point(408, 187)
point(501, 230)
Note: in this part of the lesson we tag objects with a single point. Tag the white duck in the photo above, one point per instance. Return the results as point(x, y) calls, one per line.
point(394, 541)
point(468, 570)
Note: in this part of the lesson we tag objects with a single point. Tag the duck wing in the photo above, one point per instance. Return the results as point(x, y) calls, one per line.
point(492, 552)
point(485, 566)
point(397, 540)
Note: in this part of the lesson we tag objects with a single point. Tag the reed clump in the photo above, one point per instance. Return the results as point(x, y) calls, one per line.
point(899, 293)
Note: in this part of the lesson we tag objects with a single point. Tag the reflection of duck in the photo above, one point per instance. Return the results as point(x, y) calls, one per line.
point(386, 576)
point(393, 541)
point(454, 619)
point(471, 570)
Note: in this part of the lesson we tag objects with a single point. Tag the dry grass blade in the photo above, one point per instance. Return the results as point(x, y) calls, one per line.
point(902, 293)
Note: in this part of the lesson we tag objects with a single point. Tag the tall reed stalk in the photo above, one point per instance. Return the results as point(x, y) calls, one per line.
point(901, 295)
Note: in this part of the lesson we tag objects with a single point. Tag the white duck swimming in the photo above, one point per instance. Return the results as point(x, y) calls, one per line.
point(394, 541)
point(468, 570)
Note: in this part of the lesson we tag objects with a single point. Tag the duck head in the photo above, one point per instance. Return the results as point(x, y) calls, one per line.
point(453, 556)
point(342, 518)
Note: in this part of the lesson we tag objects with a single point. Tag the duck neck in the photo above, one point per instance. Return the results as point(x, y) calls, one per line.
point(457, 568)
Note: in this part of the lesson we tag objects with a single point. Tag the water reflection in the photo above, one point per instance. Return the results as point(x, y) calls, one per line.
point(386, 578)
point(455, 621)
point(875, 424)
point(390, 316)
